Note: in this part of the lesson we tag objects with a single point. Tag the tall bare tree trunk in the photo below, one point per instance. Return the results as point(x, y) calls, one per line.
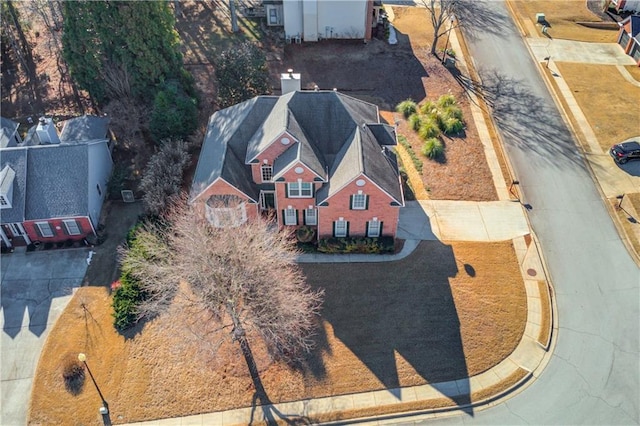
point(234, 16)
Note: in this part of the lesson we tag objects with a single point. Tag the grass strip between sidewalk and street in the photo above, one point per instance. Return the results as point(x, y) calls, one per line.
point(545, 304)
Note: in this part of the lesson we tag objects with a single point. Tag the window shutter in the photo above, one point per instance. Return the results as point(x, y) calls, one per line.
point(347, 231)
point(37, 229)
point(79, 223)
point(334, 229)
point(366, 202)
point(351, 202)
point(284, 217)
point(380, 233)
point(65, 231)
point(297, 220)
point(286, 190)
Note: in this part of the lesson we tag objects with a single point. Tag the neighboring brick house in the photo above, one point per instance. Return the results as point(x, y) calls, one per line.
point(52, 186)
point(316, 158)
point(629, 37)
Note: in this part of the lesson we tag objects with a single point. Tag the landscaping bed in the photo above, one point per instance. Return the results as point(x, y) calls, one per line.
point(447, 311)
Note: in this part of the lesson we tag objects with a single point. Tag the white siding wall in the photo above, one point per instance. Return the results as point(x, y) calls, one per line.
point(347, 19)
point(100, 165)
point(292, 17)
point(313, 19)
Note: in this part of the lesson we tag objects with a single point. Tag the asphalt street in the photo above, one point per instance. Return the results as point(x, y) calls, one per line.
point(594, 374)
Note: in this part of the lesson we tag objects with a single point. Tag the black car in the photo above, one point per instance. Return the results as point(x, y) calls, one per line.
point(625, 151)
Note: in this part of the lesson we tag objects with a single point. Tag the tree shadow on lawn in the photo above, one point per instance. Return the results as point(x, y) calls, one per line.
point(377, 70)
point(405, 309)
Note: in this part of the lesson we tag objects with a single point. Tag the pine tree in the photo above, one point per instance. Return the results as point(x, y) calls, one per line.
point(107, 38)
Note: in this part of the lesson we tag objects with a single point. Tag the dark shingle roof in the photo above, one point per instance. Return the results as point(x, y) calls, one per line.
point(225, 144)
point(7, 130)
point(84, 129)
point(16, 158)
point(57, 185)
point(335, 133)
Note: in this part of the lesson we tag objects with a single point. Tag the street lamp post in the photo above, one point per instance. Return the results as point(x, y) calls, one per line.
point(104, 410)
point(446, 45)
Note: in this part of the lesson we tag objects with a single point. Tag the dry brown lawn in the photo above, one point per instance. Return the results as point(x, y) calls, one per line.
point(563, 18)
point(447, 311)
point(464, 175)
point(609, 102)
point(634, 70)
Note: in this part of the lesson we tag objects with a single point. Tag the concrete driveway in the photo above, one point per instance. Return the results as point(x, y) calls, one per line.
point(579, 51)
point(36, 287)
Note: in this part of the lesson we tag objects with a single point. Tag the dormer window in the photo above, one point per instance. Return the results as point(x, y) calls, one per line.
point(7, 175)
point(267, 173)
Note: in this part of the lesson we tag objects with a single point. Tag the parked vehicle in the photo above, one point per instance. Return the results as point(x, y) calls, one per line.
point(625, 151)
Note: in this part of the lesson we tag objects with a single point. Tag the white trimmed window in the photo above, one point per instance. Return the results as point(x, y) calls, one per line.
point(267, 173)
point(300, 189)
point(373, 227)
point(340, 227)
point(359, 201)
point(290, 216)
point(311, 216)
point(72, 227)
point(226, 217)
point(45, 229)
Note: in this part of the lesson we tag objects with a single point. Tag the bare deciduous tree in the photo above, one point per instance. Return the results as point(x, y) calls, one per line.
point(245, 277)
point(442, 15)
point(162, 179)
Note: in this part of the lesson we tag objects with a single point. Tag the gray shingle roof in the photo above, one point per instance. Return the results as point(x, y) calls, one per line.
point(16, 158)
point(84, 129)
point(224, 147)
point(57, 185)
point(7, 130)
point(335, 132)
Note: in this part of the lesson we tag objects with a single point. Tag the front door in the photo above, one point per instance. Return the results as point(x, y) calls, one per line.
point(20, 237)
point(267, 201)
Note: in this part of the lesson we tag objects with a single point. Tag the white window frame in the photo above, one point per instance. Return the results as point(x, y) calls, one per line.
point(267, 170)
point(340, 228)
point(227, 217)
point(273, 16)
point(4, 202)
point(376, 226)
point(359, 201)
point(311, 216)
point(49, 230)
point(290, 216)
point(72, 227)
point(296, 190)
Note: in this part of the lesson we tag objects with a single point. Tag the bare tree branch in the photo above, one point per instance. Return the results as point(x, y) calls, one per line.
point(442, 14)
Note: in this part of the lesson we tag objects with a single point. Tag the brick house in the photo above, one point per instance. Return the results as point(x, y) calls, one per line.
point(629, 37)
point(315, 158)
point(52, 185)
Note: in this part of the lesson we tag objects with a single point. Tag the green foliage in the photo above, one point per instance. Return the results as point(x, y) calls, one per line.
point(417, 163)
point(174, 114)
point(415, 121)
point(429, 129)
point(446, 100)
point(136, 39)
point(362, 245)
point(429, 108)
point(452, 126)
point(127, 293)
point(242, 74)
point(451, 111)
point(433, 148)
point(406, 108)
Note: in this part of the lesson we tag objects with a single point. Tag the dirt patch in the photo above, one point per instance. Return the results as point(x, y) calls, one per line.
point(598, 88)
point(443, 313)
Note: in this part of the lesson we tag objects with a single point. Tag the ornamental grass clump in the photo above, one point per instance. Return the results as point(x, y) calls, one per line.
point(429, 129)
point(406, 108)
point(415, 121)
point(433, 148)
